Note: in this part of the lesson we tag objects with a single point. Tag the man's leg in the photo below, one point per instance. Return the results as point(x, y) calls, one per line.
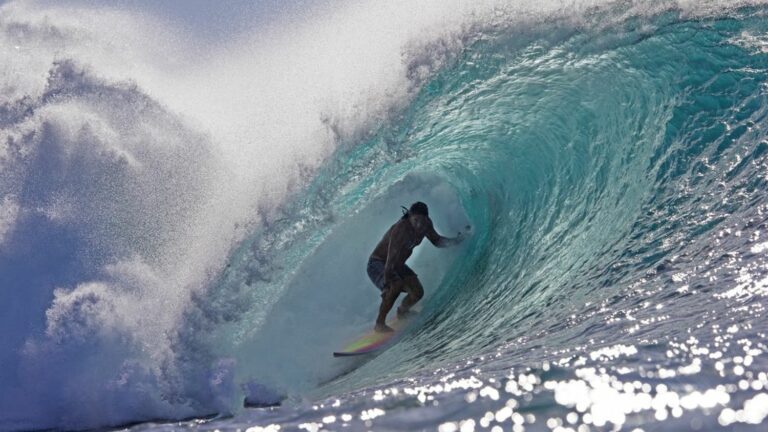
point(388, 298)
point(412, 286)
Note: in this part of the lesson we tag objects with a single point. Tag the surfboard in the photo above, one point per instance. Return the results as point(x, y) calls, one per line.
point(373, 341)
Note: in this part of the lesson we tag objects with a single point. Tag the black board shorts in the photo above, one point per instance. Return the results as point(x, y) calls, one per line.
point(376, 272)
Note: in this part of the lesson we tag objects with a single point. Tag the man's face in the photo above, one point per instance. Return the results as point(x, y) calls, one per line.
point(419, 222)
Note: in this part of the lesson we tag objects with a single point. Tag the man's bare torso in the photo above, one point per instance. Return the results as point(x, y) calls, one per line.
point(402, 236)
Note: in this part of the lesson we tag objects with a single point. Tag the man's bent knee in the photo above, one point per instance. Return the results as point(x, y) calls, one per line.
point(413, 287)
point(394, 288)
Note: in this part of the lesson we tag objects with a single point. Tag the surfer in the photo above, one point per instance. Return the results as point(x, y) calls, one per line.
point(386, 265)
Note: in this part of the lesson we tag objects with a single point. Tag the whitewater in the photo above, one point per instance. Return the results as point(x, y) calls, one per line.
point(185, 222)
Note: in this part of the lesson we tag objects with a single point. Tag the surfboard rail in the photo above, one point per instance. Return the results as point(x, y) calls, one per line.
point(373, 341)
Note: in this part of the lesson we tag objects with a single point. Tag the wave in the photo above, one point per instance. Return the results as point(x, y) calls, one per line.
point(168, 254)
point(582, 158)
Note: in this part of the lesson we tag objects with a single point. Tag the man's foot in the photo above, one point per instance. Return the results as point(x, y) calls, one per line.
point(383, 328)
point(404, 314)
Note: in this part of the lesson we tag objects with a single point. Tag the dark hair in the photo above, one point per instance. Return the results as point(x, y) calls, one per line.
point(416, 208)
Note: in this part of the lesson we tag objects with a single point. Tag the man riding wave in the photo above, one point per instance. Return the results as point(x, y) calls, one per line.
point(387, 268)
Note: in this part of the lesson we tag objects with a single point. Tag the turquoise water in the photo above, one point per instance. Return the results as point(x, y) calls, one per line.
point(614, 176)
point(613, 170)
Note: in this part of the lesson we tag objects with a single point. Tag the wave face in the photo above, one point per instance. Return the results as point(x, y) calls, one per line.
point(611, 159)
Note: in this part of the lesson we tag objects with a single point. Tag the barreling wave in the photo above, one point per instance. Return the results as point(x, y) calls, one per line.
point(589, 161)
point(609, 157)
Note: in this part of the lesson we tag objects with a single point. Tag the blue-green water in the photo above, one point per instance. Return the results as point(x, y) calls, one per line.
point(614, 172)
point(615, 178)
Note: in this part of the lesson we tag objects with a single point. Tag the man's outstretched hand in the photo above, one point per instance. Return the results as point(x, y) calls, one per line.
point(461, 236)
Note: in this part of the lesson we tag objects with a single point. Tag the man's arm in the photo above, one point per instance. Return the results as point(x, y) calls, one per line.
point(440, 241)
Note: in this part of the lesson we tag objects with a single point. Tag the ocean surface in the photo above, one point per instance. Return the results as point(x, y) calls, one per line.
point(185, 224)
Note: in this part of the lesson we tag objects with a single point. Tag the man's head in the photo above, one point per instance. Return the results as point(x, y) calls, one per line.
point(419, 208)
point(418, 215)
